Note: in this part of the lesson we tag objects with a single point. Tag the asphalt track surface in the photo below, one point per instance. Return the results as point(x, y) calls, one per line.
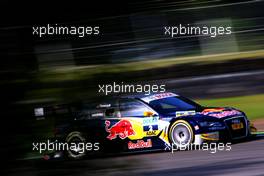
point(244, 159)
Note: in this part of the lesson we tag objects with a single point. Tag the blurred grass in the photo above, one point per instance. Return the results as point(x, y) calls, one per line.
point(67, 73)
point(252, 105)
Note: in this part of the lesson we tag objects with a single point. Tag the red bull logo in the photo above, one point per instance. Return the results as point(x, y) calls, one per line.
point(123, 129)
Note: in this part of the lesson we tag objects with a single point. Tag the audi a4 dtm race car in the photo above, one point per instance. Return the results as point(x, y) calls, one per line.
point(157, 121)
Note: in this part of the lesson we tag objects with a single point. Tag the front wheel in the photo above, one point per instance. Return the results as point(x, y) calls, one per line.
point(181, 134)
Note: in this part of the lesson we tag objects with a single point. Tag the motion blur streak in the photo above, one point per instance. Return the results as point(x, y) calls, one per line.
point(219, 5)
point(133, 49)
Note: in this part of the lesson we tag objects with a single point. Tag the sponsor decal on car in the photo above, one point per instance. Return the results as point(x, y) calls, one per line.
point(158, 96)
point(184, 113)
point(151, 133)
point(97, 114)
point(213, 110)
point(150, 127)
point(122, 128)
point(104, 106)
point(222, 114)
point(150, 120)
point(210, 136)
point(140, 144)
point(237, 124)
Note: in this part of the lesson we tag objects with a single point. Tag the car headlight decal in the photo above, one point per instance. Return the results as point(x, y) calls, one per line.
point(211, 124)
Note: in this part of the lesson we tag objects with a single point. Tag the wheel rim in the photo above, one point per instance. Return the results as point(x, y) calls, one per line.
point(75, 152)
point(181, 135)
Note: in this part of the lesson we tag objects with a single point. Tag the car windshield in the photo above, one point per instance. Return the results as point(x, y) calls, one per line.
point(173, 104)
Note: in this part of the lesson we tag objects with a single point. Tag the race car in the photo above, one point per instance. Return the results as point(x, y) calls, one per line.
point(146, 123)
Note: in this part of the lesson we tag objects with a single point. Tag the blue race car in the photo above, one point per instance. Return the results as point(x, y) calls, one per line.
point(151, 122)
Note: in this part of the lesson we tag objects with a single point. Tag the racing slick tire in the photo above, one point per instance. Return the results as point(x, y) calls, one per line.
point(181, 134)
point(75, 152)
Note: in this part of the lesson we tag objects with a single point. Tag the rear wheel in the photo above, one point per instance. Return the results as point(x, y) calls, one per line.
point(76, 142)
point(181, 134)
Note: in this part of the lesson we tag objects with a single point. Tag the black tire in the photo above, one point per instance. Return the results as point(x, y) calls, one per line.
point(77, 140)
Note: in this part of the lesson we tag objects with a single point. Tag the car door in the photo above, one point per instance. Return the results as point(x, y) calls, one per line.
point(143, 120)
